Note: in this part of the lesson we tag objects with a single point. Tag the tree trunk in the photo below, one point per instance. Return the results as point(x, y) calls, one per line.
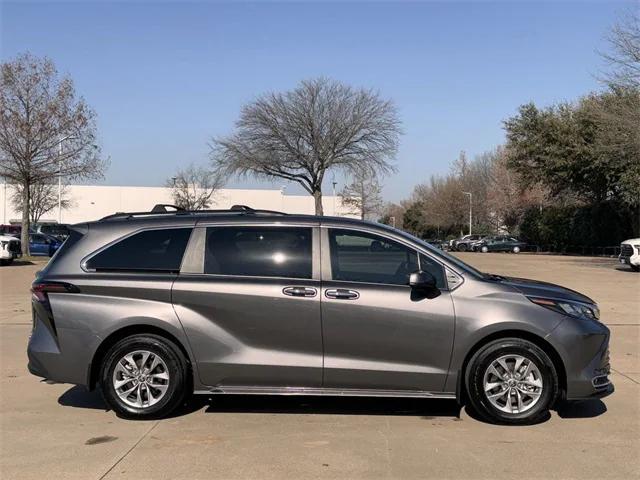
point(26, 206)
point(317, 196)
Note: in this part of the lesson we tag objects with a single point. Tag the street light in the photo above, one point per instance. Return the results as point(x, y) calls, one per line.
point(470, 209)
point(60, 175)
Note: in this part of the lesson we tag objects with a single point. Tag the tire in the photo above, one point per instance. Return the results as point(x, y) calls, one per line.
point(164, 387)
point(462, 247)
point(6, 261)
point(635, 268)
point(516, 250)
point(513, 407)
point(484, 249)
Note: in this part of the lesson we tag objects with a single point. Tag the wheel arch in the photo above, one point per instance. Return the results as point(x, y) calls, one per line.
point(556, 359)
point(127, 331)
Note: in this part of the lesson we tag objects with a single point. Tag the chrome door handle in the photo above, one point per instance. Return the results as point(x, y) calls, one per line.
point(300, 291)
point(342, 294)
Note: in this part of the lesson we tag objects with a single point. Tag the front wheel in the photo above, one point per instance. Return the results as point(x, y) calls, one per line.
point(144, 377)
point(512, 381)
point(484, 249)
point(516, 249)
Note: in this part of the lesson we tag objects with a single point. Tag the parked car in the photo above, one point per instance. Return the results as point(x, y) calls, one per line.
point(630, 253)
point(464, 243)
point(434, 242)
point(40, 244)
point(12, 230)
point(499, 243)
point(9, 249)
point(155, 306)
point(58, 230)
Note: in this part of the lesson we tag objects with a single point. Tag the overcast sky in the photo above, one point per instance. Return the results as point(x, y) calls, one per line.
point(164, 77)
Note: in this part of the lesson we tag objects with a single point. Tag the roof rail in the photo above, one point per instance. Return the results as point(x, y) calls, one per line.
point(161, 209)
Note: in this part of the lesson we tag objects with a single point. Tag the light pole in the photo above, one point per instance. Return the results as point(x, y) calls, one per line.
point(470, 209)
point(60, 175)
point(334, 183)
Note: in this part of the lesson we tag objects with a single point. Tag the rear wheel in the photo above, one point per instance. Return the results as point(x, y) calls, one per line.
point(512, 381)
point(516, 250)
point(484, 249)
point(462, 247)
point(144, 377)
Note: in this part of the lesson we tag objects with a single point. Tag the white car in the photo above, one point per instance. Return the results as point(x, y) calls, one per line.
point(630, 253)
point(9, 249)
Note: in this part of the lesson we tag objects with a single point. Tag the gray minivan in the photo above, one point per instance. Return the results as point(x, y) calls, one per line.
point(154, 306)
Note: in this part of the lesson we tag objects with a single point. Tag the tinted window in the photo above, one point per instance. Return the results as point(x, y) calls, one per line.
point(151, 250)
point(363, 257)
point(434, 268)
point(259, 251)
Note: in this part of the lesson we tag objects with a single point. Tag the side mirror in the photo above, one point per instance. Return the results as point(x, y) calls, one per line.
point(422, 281)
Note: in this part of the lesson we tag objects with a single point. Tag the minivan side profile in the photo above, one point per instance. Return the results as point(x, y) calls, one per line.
point(154, 306)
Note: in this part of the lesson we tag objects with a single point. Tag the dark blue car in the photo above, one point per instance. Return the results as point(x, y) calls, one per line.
point(40, 244)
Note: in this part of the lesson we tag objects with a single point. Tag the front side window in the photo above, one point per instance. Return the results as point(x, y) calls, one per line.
point(259, 251)
point(150, 250)
point(364, 257)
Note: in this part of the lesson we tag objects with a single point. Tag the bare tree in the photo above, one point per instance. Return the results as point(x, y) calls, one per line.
point(363, 195)
point(301, 134)
point(45, 131)
point(44, 198)
point(194, 186)
point(624, 55)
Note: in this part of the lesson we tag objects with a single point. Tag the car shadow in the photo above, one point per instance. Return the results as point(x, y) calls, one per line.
point(426, 409)
point(80, 397)
point(582, 409)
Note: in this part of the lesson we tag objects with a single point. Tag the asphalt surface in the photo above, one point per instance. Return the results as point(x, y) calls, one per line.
point(62, 431)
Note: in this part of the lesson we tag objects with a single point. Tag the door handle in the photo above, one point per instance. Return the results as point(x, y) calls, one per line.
point(300, 291)
point(342, 294)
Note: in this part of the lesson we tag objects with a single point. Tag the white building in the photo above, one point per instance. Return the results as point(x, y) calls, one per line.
point(91, 202)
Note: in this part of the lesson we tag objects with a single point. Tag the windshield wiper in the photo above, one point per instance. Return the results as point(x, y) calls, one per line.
point(494, 277)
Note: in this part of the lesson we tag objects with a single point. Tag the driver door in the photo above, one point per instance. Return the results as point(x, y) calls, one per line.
point(377, 333)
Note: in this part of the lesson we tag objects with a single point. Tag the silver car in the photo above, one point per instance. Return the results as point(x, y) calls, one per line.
point(154, 306)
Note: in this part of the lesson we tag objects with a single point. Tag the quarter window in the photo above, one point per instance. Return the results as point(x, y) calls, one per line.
point(150, 250)
point(259, 251)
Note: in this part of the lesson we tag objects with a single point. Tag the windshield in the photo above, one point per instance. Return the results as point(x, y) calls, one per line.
point(465, 267)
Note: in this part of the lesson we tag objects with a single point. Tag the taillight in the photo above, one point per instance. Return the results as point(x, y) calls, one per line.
point(39, 290)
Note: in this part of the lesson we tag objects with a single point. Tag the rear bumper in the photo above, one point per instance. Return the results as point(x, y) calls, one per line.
point(60, 354)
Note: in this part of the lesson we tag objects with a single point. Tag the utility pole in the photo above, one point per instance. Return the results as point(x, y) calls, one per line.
point(470, 209)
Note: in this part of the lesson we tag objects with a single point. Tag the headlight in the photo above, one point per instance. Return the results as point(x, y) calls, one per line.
point(573, 309)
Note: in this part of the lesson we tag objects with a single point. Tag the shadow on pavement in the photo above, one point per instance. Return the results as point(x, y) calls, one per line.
point(80, 397)
point(427, 409)
point(582, 409)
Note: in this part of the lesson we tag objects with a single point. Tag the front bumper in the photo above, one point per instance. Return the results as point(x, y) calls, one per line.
point(584, 346)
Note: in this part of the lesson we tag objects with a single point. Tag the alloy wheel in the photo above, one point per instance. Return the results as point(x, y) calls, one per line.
point(141, 378)
point(513, 383)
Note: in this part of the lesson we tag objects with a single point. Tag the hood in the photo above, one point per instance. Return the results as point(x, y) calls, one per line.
point(8, 238)
point(535, 288)
point(632, 241)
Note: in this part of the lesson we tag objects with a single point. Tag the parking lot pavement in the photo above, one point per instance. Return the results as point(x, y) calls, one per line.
point(61, 431)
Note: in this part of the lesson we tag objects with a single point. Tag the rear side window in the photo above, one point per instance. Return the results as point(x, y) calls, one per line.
point(259, 251)
point(150, 250)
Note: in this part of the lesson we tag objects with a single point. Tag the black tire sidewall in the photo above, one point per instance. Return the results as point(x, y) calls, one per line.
point(481, 361)
point(178, 374)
